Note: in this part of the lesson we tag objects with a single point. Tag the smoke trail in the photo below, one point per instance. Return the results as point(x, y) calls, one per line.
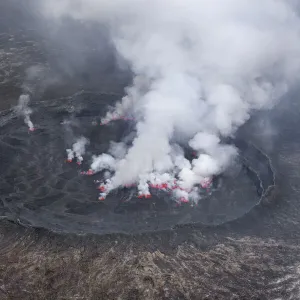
point(206, 66)
point(126, 108)
point(24, 110)
point(34, 83)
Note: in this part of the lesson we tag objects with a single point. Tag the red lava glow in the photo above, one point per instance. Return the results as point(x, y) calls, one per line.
point(101, 198)
point(88, 173)
point(162, 186)
point(183, 200)
point(69, 161)
point(102, 188)
point(147, 196)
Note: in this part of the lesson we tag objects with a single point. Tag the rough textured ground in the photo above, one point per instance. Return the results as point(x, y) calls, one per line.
point(39, 266)
point(255, 257)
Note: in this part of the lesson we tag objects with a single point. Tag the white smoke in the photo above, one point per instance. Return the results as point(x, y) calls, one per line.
point(78, 150)
point(206, 65)
point(129, 104)
point(118, 150)
point(24, 110)
point(103, 162)
point(70, 155)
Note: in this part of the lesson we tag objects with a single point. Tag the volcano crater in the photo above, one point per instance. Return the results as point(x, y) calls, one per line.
point(39, 189)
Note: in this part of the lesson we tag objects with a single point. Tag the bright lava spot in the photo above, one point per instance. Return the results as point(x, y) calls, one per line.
point(147, 196)
point(183, 200)
point(88, 173)
point(102, 188)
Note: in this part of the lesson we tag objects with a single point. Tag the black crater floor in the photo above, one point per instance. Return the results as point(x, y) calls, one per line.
point(39, 189)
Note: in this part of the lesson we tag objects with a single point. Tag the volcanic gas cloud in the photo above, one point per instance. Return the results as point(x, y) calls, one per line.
point(201, 67)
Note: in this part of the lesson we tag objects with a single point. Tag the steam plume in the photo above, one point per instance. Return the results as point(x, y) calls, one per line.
point(206, 66)
point(78, 150)
point(24, 110)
